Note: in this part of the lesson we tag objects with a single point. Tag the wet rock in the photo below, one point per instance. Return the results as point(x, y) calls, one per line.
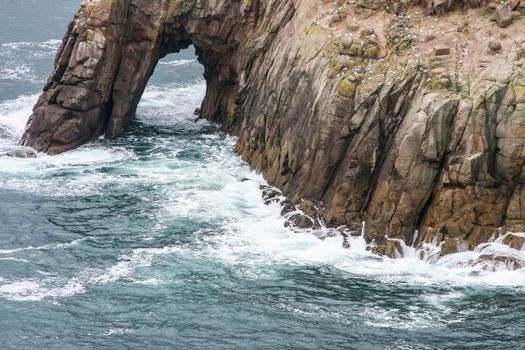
point(392, 248)
point(308, 215)
point(374, 127)
point(21, 152)
point(300, 221)
point(287, 208)
point(453, 245)
point(498, 262)
point(514, 241)
point(270, 194)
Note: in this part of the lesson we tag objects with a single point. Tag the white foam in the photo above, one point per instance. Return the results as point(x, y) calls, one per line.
point(14, 115)
point(250, 237)
point(19, 60)
point(51, 44)
point(177, 63)
point(34, 290)
point(44, 247)
point(129, 264)
point(117, 331)
point(172, 105)
point(18, 72)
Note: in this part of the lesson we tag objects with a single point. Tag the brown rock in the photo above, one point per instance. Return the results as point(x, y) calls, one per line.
point(514, 241)
point(453, 245)
point(442, 51)
point(392, 248)
point(380, 141)
point(495, 262)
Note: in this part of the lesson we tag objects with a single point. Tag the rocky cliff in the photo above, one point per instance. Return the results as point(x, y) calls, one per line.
point(408, 115)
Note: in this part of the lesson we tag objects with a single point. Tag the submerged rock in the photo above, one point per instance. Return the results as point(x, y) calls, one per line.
point(498, 262)
point(20, 152)
point(359, 113)
point(305, 215)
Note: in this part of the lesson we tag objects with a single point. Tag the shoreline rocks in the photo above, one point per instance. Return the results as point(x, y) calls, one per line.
point(370, 111)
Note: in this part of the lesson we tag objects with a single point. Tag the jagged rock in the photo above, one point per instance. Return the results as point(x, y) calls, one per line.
point(514, 241)
point(308, 215)
point(301, 221)
point(453, 245)
point(498, 262)
point(270, 194)
point(370, 126)
point(391, 248)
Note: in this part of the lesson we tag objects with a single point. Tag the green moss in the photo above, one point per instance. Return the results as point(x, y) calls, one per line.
point(352, 27)
point(347, 88)
point(349, 63)
point(90, 10)
point(174, 7)
point(519, 92)
point(313, 29)
point(437, 83)
point(371, 52)
point(337, 67)
point(274, 28)
point(332, 73)
point(90, 35)
point(354, 50)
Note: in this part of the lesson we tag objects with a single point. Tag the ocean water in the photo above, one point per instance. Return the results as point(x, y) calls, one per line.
point(157, 241)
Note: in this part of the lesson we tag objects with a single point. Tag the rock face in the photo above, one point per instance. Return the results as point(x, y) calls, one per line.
point(379, 113)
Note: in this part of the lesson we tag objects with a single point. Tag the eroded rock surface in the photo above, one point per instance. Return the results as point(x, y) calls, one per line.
point(394, 113)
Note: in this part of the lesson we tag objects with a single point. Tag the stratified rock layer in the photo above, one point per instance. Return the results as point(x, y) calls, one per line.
point(375, 111)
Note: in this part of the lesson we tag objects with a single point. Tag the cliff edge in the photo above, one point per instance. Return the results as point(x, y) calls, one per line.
point(408, 115)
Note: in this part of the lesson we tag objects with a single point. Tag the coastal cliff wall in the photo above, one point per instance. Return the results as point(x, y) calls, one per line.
point(408, 115)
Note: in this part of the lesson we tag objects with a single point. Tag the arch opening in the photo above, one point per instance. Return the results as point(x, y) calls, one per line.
point(101, 71)
point(173, 93)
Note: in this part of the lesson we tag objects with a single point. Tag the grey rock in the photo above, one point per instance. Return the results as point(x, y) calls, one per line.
point(21, 152)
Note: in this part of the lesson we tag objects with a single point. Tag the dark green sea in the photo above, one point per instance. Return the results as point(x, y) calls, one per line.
point(157, 241)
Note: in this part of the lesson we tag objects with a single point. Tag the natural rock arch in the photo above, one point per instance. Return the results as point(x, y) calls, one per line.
point(363, 111)
point(110, 51)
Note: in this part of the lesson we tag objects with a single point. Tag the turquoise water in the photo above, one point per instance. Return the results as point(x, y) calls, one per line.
point(154, 241)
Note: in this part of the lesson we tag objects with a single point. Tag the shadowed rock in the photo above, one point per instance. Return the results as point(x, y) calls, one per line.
point(350, 107)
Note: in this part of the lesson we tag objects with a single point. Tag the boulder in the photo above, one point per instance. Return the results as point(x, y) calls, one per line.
point(504, 15)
